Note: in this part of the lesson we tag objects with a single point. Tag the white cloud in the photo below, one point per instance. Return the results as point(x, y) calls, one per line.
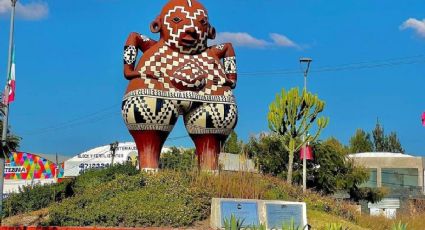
point(243, 39)
point(240, 39)
point(417, 25)
point(282, 40)
point(30, 11)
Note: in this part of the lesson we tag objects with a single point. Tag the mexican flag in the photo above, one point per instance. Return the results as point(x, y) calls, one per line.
point(11, 80)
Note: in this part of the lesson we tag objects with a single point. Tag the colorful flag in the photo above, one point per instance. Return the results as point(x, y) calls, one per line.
point(423, 119)
point(11, 80)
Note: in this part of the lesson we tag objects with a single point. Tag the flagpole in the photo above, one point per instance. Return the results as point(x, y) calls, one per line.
point(6, 108)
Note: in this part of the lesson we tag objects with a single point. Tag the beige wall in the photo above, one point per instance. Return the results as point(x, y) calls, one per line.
point(392, 162)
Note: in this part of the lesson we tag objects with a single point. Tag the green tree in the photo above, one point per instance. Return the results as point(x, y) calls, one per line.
point(336, 145)
point(379, 139)
point(292, 116)
point(385, 143)
point(394, 145)
point(361, 142)
point(233, 144)
point(330, 170)
point(11, 140)
point(178, 159)
point(269, 154)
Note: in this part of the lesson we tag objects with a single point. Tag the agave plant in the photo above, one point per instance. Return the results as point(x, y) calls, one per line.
point(335, 226)
point(259, 227)
point(399, 226)
point(233, 223)
point(291, 226)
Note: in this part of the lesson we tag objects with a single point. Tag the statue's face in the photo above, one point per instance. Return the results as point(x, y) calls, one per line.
point(185, 26)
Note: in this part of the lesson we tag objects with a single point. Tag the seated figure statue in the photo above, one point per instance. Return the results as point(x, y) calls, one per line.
point(179, 75)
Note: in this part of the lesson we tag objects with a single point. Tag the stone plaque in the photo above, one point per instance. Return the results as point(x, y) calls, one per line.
point(269, 213)
point(242, 210)
point(278, 214)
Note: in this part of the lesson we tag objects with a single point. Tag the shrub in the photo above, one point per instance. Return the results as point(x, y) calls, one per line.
point(164, 199)
point(31, 198)
point(96, 177)
point(35, 197)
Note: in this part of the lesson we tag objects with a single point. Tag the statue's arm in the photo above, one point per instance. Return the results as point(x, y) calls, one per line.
point(134, 42)
point(227, 53)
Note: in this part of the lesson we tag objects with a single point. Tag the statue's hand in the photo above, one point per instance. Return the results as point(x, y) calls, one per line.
point(154, 75)
point(130, 75)
point(230, 80)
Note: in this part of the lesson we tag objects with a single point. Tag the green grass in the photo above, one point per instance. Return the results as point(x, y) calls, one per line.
point(321, 220)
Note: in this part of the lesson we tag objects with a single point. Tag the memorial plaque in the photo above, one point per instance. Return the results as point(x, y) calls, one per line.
point(242, 210)
point(279, 214)
point(270, 213)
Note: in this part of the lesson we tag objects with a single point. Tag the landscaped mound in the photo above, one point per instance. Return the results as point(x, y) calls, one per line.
point(120, 196)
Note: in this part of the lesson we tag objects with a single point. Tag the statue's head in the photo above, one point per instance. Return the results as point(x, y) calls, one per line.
point(184, 26)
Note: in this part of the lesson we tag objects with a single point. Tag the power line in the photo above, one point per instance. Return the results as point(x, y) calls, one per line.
point(89, 118)
point(343, 67)
point(177, 138)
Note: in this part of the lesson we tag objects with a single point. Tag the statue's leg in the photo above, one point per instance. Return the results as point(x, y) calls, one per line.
point(209, 124)
point(208, 149)
point(149, 145)
point(149, 121)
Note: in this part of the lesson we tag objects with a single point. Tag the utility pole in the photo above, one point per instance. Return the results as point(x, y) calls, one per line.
point(57, 168)
point(113, 147)
point(304, 152)
point(6, 108)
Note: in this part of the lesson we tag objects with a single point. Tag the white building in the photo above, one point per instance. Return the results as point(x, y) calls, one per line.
point(101, 157)
point(401, 174)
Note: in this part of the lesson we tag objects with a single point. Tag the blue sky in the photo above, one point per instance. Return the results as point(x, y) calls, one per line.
point(70, 81)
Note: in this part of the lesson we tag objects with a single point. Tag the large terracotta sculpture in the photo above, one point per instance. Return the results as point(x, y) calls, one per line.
point(179, 75)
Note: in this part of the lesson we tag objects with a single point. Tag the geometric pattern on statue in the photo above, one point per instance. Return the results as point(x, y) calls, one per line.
point(165, 63)
point(147, 113)
point(212, 119)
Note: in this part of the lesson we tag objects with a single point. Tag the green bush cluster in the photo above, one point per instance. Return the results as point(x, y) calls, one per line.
point(95, 177)
point(164, 199)
point(35, 197)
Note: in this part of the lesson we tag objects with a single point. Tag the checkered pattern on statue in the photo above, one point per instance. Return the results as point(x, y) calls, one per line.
point(166, 62)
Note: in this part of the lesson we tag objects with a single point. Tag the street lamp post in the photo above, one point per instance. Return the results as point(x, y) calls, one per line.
point(6, 108)
point(113, 147)
point(307, 62)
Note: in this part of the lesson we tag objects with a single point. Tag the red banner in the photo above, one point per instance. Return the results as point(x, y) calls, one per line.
point(308, 153)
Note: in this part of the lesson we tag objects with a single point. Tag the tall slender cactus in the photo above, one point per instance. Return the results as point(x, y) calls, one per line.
point(291, 116)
